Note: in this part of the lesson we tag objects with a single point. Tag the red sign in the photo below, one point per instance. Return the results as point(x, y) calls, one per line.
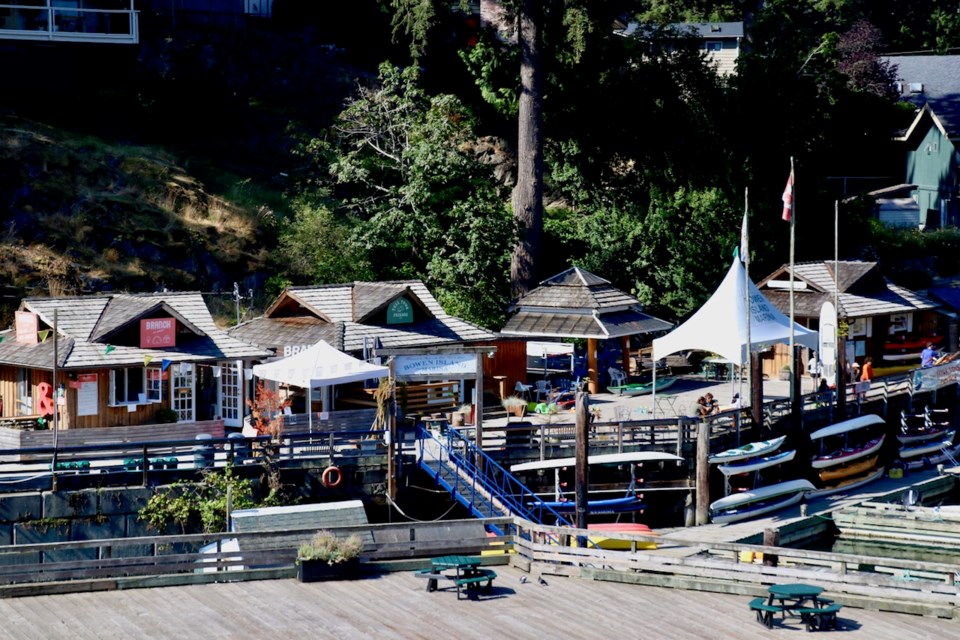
point(158, 333)
point(27, 324)
point(86, 377)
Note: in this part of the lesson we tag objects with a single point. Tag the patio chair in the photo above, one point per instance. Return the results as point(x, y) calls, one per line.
point(522, 390)
point(617, 377)
point(543, 389)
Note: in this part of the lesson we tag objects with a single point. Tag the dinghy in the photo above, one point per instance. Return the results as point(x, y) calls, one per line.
point(755, 464)
point(748, 451)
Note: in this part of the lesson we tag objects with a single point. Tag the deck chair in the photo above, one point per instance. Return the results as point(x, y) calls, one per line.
point(522, 390)
point(617, 377)
point(543, 389)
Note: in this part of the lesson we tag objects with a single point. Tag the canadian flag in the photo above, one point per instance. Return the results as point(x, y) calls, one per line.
point(788, 199)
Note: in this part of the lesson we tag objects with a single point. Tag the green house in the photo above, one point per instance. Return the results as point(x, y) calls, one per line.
point(932, 83)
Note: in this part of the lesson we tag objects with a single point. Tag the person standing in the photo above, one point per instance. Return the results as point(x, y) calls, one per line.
point(927, 356)
point(814, 368)
point(866, 372)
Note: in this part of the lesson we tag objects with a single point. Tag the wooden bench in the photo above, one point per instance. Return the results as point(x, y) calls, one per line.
point(477, 577)
point(765, 612)
point(819, 617)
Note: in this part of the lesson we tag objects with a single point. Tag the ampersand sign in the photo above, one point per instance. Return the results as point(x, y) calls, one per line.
point(45, 390)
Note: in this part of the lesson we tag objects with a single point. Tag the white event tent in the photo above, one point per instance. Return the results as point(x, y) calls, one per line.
point(318, 366)
point(720, 325)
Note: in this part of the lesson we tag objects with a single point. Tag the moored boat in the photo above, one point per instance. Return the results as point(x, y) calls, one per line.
point(756, 502)
point(751, 450)
point(847, 470)
point(847, 484)
point(908, 348)
point(755, 464)
point(919, 435)
point(642, 388)
point(847, 455)
point(926, 448)
point(835, 446)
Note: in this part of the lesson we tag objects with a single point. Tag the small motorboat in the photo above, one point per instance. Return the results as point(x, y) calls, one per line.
point(854, 468)
point(751, 450)
point(642, 388)
point(756, 502)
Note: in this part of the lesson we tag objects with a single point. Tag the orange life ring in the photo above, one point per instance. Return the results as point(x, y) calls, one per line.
point(335, 481)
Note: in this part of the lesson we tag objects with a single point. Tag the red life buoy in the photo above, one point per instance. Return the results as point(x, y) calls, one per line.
point(332, 477)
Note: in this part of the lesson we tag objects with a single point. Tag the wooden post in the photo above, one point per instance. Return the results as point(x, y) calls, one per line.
point(756, 389)
point(771, 538)
point(583, 447)
point(625, 355)
point(703, 473)
point(593, 384)
point(392, 447)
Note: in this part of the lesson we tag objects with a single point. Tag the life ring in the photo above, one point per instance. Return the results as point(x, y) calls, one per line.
point(332, 477)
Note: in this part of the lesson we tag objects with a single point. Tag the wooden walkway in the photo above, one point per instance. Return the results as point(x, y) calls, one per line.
point(397, 606)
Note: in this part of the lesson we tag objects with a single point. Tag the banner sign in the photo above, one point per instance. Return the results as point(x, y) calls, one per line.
point(158, 333)
point(437, 365)
point(828, 343)
point(26, 324)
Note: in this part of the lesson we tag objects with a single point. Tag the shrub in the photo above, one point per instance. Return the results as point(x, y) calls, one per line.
point(330, 548)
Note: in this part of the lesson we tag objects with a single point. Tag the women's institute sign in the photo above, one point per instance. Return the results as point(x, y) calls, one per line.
point(456, 364)
point(158, 333)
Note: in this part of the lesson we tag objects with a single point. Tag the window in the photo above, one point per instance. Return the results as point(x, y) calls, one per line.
point(127, 386)
point(713, 45)
point(155, 377)
point(24, 393)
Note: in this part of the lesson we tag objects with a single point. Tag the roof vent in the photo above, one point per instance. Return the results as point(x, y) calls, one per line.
point(916, 87)
point(715, 28)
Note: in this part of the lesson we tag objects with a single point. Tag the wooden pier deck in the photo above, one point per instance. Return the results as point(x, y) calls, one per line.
point(396, 605)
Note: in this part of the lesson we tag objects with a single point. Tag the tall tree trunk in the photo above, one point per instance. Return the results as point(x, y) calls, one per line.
point(528, 194)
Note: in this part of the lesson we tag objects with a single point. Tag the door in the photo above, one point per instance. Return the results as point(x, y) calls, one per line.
point(231, 394)
point(182, 391)
point(24, 393)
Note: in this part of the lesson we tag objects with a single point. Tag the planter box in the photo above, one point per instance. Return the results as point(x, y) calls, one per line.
point(319, 570)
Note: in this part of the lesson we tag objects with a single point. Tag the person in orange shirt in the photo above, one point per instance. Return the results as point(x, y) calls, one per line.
point(866, 373)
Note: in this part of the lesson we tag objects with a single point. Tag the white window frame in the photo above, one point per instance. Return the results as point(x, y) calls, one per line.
point(154, 386)
point(24, 393)
point(112, 400)
point(230, 393)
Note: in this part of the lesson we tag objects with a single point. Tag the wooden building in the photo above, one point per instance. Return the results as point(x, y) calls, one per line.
point(119, 359)
point(579, 304)
point(874, 309)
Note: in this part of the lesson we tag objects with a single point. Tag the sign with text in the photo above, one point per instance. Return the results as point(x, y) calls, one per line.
point(438, 365)
point(158, 333)
point(400, 311)
point(87, 394)
point(26, 323)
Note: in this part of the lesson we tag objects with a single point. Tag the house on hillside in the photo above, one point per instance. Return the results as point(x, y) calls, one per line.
point(360, 318)
point(119, 358)
point(932, 84)
point(884, 321)
point(721, 42)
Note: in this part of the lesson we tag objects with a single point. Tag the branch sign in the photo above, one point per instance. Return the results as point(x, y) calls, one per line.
point(158, 333)
point(457, 364)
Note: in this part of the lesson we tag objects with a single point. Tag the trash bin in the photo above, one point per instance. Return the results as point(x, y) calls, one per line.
point(203, 451)
point(239, 447)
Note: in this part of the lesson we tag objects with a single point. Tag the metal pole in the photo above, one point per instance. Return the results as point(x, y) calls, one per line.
point(793, 222)
point(56, 407)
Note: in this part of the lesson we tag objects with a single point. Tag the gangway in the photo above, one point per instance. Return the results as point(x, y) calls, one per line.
point(477, 482)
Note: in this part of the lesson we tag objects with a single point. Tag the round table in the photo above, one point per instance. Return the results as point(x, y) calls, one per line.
point(793, 596)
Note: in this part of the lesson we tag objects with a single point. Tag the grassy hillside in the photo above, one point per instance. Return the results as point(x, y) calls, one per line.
point(84, 215)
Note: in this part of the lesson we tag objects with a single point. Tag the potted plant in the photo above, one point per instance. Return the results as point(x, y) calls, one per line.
point(328, 556)
point(785, 372)
point(515, 405)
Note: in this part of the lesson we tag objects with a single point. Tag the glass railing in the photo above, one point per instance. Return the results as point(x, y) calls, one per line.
point(40, 20)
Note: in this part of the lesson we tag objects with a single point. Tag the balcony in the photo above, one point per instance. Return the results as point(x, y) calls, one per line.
point(100, 21)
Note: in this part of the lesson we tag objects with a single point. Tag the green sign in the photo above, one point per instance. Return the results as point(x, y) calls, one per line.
point(400, 311)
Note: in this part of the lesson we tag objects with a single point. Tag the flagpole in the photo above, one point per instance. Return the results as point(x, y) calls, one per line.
point(793, 222)
point(746, 294)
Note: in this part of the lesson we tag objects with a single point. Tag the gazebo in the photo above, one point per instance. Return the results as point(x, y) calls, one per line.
point(579, 304)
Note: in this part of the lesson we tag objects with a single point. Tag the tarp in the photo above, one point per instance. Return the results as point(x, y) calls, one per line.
point(720, 325)
point(319, 366)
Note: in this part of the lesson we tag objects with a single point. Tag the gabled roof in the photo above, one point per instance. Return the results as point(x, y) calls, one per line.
point(82, 321)
point(863, 291)
point(350, 306)
point(702, 30)
point(931, 82)
point(579, 304)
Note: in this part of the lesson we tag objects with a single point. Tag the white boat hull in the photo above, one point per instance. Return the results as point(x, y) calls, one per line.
point(847, 486)
point(755, 464)
point(954, 451)
point(742, 453)
point(749, 504)
point(924, 449)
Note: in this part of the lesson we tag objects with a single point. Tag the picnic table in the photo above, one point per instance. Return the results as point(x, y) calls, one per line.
point(801, 600)
point(467, 573)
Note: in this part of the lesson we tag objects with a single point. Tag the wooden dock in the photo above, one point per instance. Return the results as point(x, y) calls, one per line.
point(396, 606)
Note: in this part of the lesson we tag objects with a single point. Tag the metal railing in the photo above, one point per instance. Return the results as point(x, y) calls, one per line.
point(74, 24)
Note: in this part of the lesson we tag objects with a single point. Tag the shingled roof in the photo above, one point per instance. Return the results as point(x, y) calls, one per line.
point(84, 325)
point(344, 314)
point(863, 291)
point(932, 83)
point(579, 304)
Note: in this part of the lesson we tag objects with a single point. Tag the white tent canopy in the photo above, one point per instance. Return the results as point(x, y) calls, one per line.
point(319, 366)
point(720, 325)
